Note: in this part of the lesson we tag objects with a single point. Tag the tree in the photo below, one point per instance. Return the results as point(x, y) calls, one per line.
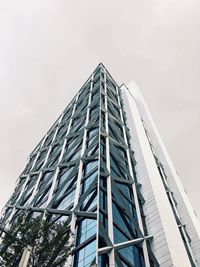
point(49, 242)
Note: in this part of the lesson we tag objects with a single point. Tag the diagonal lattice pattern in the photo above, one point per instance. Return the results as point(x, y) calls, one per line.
point(82, 172)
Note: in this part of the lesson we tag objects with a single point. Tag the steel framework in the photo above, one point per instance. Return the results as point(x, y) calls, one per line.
point(82, 172)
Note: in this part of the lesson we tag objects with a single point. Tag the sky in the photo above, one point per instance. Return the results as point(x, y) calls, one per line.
point(49, 48)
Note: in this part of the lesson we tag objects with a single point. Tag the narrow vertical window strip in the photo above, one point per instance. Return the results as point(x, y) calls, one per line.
point(62, 153)
point(109, 189)
point(145, 250)
point(98, 178)
point(78, 183)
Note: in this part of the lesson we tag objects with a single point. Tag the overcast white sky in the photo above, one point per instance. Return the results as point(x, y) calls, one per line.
point(48, 48)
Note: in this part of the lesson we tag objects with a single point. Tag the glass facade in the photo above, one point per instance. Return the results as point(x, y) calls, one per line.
point(82, 172)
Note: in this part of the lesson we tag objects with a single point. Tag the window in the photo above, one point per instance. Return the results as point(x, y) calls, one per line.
point(66, 201)
point(90, 166)
point(133, 255)
point(86, 229)
point(86, 255)
point(43, 189)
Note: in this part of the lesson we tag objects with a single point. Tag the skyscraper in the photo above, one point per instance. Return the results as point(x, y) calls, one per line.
point(103, 170)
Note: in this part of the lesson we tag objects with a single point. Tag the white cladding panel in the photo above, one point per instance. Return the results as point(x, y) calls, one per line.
point(184, 207)
point(167, 243)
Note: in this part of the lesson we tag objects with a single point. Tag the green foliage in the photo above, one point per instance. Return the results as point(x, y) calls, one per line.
point(49, 242)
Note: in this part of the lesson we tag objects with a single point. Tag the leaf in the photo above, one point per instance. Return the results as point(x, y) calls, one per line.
point(49, 242)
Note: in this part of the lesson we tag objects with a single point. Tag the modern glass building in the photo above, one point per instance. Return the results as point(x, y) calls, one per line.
point(103, 170)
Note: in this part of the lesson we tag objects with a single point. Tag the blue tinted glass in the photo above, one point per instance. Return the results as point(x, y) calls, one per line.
point(67, 201)
point(86, 255)
point(87, 228)
point(133, 255)
point(90, 166)
point(119, 236)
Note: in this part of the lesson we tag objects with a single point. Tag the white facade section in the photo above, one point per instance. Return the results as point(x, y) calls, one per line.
point(184, 208)
point(167, 244)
